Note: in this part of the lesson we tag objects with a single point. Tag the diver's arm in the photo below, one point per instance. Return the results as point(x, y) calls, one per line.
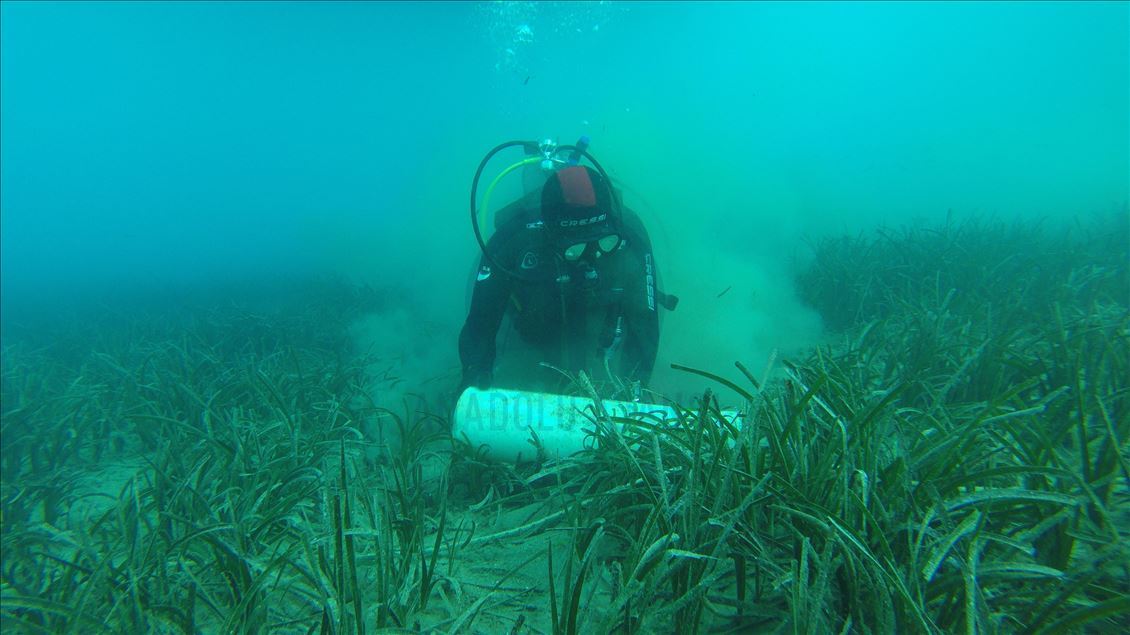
point(477, 339)
point(641, 316)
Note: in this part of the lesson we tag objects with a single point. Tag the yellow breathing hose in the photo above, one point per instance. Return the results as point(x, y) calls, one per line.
point(484, 209)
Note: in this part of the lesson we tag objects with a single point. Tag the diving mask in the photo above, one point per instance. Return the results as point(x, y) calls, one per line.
point(601, 246)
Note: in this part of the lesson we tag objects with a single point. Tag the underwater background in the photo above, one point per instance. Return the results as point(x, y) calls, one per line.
point(148, 145)
point(910, 216)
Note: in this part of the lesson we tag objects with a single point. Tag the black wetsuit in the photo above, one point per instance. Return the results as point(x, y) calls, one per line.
point(566, 313)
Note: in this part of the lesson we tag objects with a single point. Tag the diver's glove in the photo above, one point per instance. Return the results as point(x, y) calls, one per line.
point(478, 377)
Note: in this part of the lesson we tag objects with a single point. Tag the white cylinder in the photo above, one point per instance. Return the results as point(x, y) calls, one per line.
point(504, 423)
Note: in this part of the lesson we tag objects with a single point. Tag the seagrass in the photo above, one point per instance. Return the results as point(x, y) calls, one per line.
point(952, 458)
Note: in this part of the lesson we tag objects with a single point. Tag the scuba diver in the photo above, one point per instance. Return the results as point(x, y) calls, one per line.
point(571, 270)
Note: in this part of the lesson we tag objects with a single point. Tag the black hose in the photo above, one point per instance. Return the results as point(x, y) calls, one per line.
point(474, 208)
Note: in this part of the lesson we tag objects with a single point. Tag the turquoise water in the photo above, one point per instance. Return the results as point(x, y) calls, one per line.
point(235, 258)
point(151, 144)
